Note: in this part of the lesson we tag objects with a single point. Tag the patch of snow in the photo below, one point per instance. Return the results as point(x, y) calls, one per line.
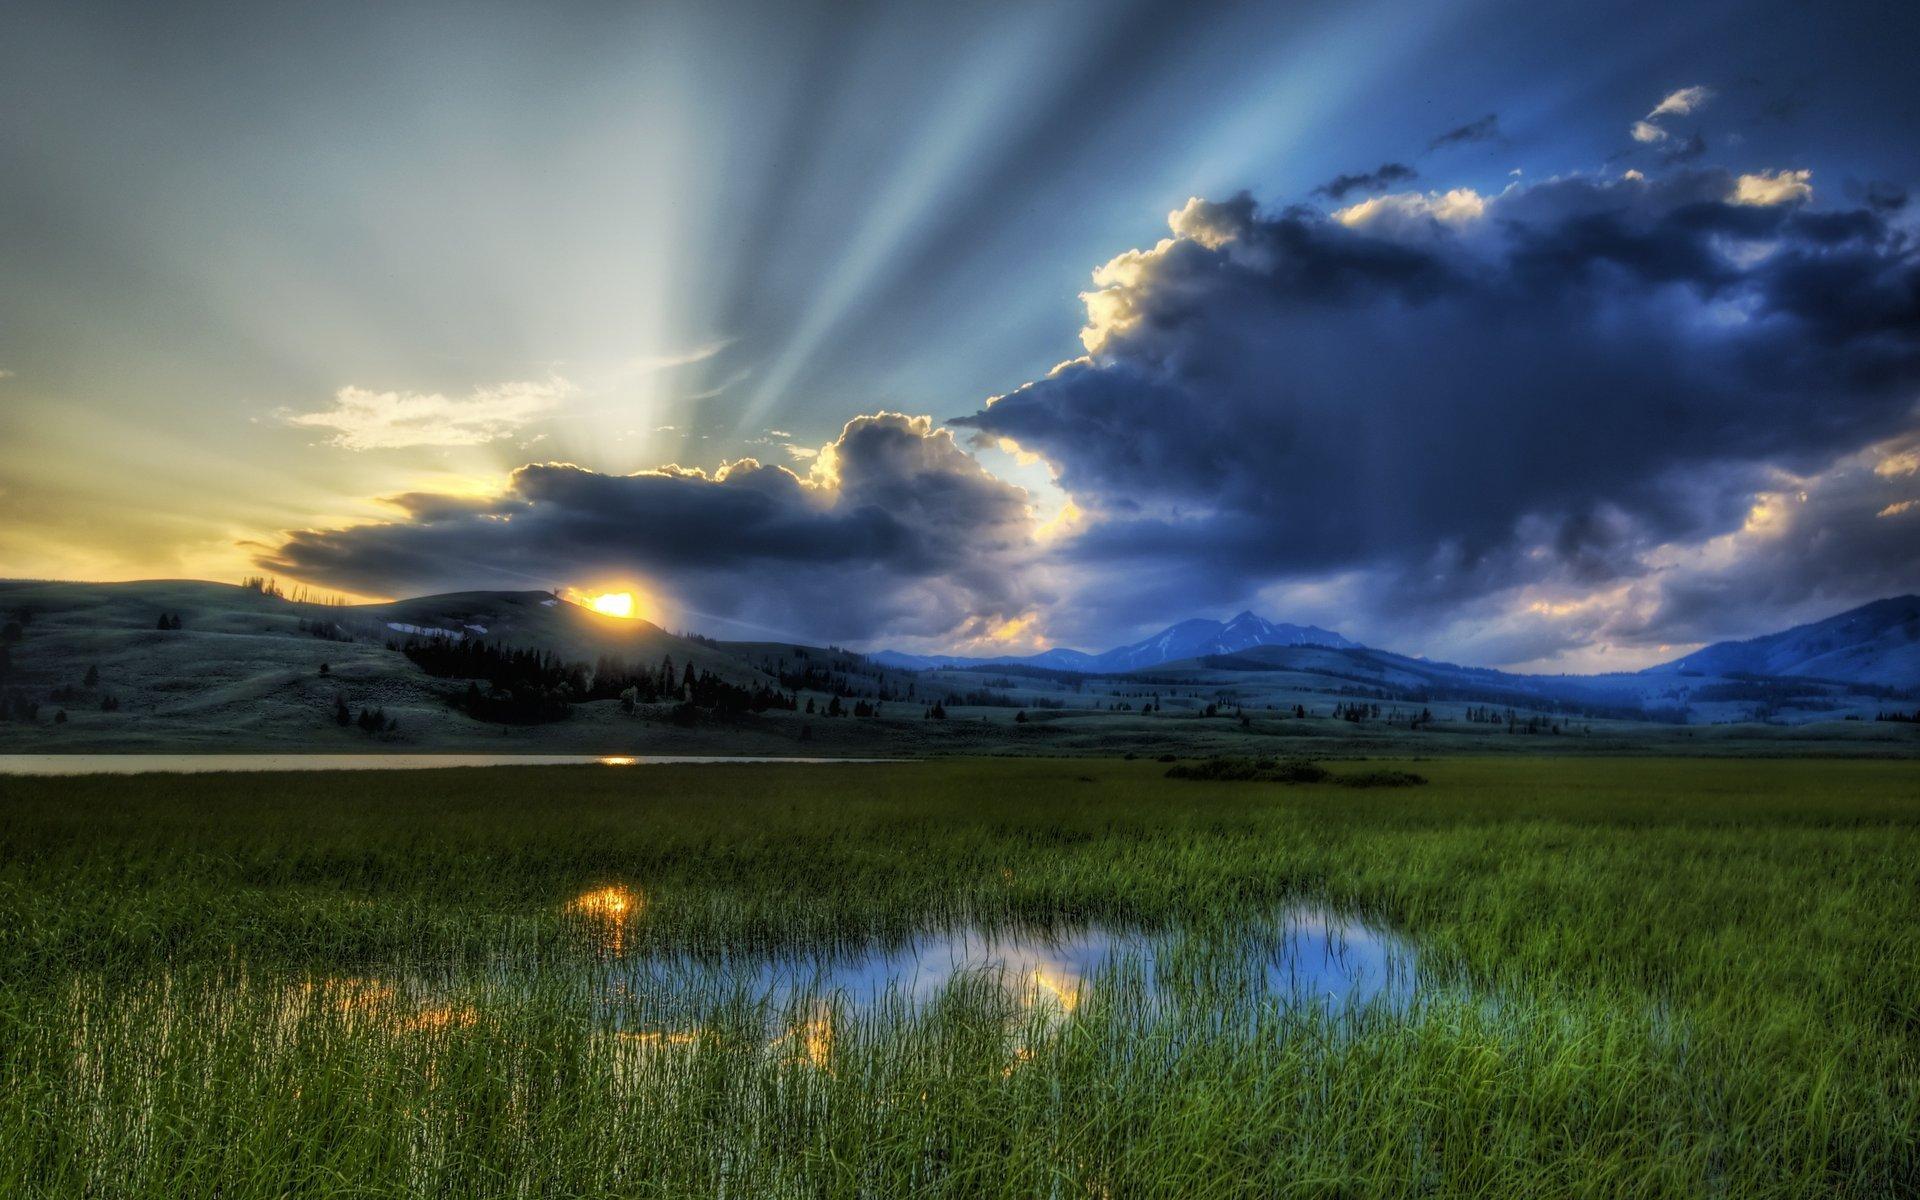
point(477, 628)
point(548, 603)
point(403, 627)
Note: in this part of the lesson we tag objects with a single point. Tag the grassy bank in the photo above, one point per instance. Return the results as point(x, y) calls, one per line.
point(1641, 977)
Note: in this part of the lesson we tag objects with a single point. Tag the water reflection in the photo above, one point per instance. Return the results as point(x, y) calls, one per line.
point(1037, 980)
point(381, 1004)
point(607, 911)
point(1300, 956)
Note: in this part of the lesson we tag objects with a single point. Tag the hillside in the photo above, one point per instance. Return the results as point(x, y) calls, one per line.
point(246, 664)
point(1877, 643)
point(247, 670)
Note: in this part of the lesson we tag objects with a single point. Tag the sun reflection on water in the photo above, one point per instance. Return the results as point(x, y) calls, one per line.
point(608, 909)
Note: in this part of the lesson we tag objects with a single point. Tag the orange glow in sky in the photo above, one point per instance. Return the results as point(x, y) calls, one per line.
point(614, 604)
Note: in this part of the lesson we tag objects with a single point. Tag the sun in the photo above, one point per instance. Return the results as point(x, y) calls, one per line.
point(613, 604)
point(622, 601)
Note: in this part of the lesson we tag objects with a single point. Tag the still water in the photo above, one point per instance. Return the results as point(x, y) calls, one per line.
point(1301, 956)
point(138, 764)
point(643, 1008)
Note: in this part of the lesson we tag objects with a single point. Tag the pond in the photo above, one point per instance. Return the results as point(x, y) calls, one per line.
point(1301, 956)
point(140, 764)
point(639, 1018)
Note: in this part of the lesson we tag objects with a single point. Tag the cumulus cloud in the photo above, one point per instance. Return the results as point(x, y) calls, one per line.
point(1773, 187)
point(1377, 180)
point(1411, 214)
point(894, 527)
point(1486, 129)
point(1647, 132)
point(363, 419)
point(1455, 401)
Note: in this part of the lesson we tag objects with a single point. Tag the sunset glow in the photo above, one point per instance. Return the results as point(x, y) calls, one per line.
point(613, 604)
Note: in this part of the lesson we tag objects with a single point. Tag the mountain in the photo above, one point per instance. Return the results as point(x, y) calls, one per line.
point(1194, 638)
point(1877, 643)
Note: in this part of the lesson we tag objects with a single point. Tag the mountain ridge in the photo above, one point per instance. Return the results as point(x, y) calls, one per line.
point(1195, 637)
point(1876, 643)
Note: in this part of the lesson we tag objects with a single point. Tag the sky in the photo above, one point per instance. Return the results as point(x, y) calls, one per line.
point(1551, 337)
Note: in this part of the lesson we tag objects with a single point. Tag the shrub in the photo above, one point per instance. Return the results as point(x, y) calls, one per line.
point(1291, 770)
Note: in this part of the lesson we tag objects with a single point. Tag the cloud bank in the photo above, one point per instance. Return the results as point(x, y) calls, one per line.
point(1574, 417)
point(895, 528)
point(1456, 402)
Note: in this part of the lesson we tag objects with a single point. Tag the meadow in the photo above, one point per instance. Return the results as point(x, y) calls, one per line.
point(1630, 977)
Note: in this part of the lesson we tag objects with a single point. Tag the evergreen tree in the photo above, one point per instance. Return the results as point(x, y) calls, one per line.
point(93, 677)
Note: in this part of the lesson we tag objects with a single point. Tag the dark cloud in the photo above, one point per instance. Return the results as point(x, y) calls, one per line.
point(1378, 180)
point(1807, 547)
point(1883, 195)
point(1463, 397)
point(896, 528)
point(1486, 129)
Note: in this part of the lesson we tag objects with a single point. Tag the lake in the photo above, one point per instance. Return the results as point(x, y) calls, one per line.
point(141, 764)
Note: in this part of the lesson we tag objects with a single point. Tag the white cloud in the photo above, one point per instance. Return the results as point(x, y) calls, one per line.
point(1682, 102)
point(1772, 187)
point(1898, 462)
point(1648, 132)
point(1391, 213)
point(362, 419)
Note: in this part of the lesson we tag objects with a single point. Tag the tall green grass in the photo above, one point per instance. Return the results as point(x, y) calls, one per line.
point(1644, 978)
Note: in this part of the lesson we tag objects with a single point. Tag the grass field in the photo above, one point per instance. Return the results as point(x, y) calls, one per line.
point(1637, 977)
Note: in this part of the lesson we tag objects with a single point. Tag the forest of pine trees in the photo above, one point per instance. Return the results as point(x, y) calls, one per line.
point(530, 687)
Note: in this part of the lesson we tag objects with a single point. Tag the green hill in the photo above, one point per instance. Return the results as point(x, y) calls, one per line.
point(246, 666)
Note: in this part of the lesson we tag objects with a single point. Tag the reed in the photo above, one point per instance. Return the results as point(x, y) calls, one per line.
point(1636, 978)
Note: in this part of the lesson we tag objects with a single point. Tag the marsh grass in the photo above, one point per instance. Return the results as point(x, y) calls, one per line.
point(1638, 978)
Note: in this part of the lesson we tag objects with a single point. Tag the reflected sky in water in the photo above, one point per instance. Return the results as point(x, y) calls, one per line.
point(1301, 956)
